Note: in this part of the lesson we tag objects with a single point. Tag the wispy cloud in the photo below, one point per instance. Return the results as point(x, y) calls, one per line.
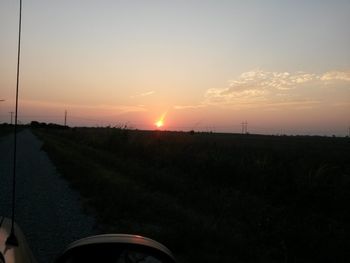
point(336, 75)
point(184, 107)
point(118, 109)
point(342, 104)
point(259, 79)
point(143, 94)
point(264, 88)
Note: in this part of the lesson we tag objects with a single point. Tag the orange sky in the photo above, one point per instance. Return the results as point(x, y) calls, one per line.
point(208, 65)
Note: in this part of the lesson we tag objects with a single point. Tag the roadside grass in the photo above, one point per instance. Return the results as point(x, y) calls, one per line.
point(8, 129)
point(213, 197)
point(5, 129)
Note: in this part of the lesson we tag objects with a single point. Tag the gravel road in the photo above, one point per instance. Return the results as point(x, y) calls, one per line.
point(47, 210)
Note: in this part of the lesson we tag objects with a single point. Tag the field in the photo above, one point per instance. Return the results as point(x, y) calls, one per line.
point(213, 197)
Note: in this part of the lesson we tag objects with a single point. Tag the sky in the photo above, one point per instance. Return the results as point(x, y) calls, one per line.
point(281, 66)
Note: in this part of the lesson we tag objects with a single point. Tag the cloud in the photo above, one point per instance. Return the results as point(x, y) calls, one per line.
point(262, 80)
point(144, 94)
point(185, 107)
point(42, 105)
point(342, 104)
point(336, 75)
point(258, 87)
point(276, 90)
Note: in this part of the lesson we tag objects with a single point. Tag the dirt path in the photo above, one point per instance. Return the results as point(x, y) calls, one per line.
point(47, 210)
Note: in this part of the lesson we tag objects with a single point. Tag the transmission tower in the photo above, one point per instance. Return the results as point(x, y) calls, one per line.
point(244, 127)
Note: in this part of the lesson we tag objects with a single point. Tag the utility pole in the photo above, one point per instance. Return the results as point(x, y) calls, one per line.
point(2, 100)
point(244, 127)
point(11, 112)
point(65, 118)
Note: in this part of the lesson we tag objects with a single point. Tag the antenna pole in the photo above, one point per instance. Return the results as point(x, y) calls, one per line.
point(12, 240)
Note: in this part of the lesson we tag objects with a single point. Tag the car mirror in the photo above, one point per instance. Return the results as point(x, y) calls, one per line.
point(116, 248)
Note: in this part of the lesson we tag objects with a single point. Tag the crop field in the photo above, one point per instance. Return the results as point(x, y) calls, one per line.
point(213, 197)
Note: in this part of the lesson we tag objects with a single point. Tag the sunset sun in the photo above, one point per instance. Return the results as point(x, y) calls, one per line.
point(160, 122)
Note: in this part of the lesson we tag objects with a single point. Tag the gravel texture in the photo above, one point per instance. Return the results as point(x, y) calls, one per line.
point(48, 210)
